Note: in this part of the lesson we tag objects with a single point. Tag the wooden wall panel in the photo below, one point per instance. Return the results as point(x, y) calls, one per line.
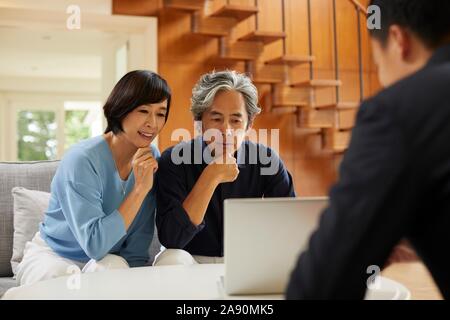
point(137, 7)
point(184, 57)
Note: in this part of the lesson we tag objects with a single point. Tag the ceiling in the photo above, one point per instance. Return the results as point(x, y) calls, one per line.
point(38, 52)
point(52, 54)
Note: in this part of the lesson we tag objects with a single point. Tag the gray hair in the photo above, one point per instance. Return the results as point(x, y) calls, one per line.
point(210, 84)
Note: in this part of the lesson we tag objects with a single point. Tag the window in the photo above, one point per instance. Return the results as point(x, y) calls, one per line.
point(82, 120)
point(45, 131)
point(36, 135)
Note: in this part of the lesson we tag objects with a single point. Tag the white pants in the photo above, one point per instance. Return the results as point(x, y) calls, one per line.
point(40, 262)
point(170, 257)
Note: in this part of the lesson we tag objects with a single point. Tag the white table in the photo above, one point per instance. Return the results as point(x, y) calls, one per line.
point(195, 282)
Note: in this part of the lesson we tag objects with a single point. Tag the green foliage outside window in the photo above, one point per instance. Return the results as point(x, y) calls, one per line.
point(75, 129)
point(37, 133)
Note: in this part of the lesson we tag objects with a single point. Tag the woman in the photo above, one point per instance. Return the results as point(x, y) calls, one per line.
point(102, 205)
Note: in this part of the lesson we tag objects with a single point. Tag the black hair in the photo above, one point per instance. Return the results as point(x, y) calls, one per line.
point(135, 89)
point(429, 20)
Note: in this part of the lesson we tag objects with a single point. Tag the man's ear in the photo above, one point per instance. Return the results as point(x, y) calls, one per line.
point(401, 39)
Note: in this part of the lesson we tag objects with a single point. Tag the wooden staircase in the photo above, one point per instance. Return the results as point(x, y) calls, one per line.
point(265, 37)
point(185, 5)
point(290, 61)
point(237, 12)
point(332, 121)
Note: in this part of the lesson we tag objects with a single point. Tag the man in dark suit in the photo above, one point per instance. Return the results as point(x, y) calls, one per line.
point(395, 177)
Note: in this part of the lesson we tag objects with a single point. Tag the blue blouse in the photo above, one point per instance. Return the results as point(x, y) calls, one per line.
point(82, 221)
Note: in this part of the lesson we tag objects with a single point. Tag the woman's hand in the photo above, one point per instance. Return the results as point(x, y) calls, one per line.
point(144, 166)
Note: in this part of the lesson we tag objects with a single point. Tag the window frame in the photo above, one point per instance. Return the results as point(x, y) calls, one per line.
point(52, 106)
point(11, 105)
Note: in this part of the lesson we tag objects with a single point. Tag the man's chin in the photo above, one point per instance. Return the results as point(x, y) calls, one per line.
point(227, 149)
point(217, 151)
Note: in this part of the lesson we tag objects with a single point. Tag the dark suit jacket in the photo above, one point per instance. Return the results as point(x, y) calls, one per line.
point(394, 183)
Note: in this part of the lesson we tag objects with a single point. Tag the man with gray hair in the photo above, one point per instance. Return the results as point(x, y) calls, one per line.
point(195, 177)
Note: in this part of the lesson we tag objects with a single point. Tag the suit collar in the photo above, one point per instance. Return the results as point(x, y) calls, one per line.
point(441, 55)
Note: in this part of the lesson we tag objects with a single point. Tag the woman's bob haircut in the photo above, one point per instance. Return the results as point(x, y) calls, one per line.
point(136, 88)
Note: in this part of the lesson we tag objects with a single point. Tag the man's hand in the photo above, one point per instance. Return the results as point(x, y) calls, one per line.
point(402, 253)
point(223, 169)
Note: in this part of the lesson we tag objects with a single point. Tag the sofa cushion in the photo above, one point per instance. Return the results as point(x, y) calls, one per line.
point(155, 248)
point(5, 284)
point(31, 175)
point(29, 211)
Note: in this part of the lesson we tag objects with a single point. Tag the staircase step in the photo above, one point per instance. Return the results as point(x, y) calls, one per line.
point(345, 113)
point(338, 150)
point(211, 33)
point(311, 131)
point(284, 110)
point(345, 118)
point(265, 37)
point(291, 61)
point(285, 96)
point(266, 74)
point(288, 104)
point(342, 120)
point(211, 26)
point(241, 50)
point(340, 106)
point(311, 118)
point(238, 12)
point(185, 5)
point(258, 80)
point(335, 140)
point(317, 83)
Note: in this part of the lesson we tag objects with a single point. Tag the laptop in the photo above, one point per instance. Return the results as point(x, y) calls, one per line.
point(263, 239)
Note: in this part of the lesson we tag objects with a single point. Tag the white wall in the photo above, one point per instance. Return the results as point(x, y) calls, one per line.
point(50, 85)
point(7, 139)
point(92, 6)
point(2, 125)
point(101, 33)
